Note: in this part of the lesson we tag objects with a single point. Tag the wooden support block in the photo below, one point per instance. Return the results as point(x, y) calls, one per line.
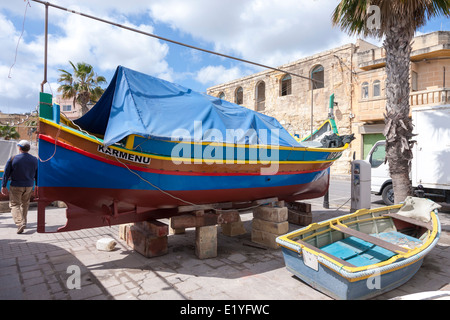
point(202, 220)
point(277, 228)
point(177, 230)
point(206, 242)
point(155, 227)
point(225, 205)
point(274, 214)
point(301, 219)
point(269, 201)
point(233, 229)
point(299, 213)
point(280, 203)
point(265, 238)
point(146, 243)
point(299, 206)
point(148, 238)
point(123, 231)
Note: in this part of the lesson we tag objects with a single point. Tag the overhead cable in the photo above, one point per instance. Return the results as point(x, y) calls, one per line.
point(172, 41)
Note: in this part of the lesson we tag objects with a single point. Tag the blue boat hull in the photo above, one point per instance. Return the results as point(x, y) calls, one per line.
point(337, 287)
point(100, 192)
point(360, 255)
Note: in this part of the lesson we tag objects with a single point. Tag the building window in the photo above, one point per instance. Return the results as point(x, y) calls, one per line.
point(318, 76)
point(66, 108)
point(239, 98)
point(286, 85)
point(260, 96)
point(222, 96)
point(365, 90)
point(376, 88)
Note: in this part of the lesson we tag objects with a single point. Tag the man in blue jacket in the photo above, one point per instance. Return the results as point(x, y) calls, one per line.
point(22, 170)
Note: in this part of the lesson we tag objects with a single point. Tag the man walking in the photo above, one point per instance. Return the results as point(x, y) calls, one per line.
point(22, 170)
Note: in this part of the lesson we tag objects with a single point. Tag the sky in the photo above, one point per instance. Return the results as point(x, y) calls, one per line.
point(269, 32)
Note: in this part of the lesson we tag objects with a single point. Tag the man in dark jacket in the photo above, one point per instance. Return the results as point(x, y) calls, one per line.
point(22, 170)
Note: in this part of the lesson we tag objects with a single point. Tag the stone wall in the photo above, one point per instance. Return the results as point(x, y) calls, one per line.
point(346, 70)
point(294, 110)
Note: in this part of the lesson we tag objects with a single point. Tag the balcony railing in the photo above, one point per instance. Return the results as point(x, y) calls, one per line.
point(430, 96)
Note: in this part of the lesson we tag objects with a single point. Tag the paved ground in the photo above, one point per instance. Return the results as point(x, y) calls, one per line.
point(44, 266)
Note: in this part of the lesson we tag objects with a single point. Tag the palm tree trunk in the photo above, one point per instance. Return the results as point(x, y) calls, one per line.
point(398, 125)
point(83, 100)
point(84, 109)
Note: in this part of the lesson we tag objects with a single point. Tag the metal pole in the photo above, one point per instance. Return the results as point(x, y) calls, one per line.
point(46, 47)
point(326, 200)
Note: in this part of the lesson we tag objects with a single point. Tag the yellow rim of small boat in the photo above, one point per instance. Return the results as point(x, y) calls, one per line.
point(431, 236)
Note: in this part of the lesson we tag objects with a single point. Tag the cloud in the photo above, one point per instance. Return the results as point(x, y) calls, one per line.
point(270, 32)
point(105, 46)
point(19, 79)
point(218, 74)
point(74, 38)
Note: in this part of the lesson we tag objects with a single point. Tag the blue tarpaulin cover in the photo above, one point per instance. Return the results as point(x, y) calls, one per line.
point(136, 103)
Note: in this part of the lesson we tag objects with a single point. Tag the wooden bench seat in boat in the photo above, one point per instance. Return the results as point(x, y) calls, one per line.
point(361, 249)
point(363, 236)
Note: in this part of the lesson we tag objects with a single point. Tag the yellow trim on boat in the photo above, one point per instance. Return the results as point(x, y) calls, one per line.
point(430, 238)
point(130, 142)
point(220, 144)
point(96, 140)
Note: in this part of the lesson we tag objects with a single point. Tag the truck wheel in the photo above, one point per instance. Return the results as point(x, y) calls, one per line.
point(388, 195)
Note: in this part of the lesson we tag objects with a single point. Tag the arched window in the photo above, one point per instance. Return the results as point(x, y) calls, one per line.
point(376, 88)
point(365, 90)
point(261, 96)
point(286, 85)
point(222, 96)
point(239, 96)
point(318, 76)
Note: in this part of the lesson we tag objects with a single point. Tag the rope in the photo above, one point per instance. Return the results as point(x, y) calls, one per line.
point(18, 41)
point(173, 41)
point(54, 152)
point(154, 186)
point(177, 198)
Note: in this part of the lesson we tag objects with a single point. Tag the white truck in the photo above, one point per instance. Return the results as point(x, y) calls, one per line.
point(430, 167)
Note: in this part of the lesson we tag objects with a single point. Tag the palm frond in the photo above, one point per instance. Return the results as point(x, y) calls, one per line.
point(352, 15)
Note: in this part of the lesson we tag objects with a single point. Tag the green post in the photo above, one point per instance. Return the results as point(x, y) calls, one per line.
point(331, 107)
point(45, 106)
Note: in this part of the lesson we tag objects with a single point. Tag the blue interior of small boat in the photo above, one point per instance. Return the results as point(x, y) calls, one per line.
point(361, 253)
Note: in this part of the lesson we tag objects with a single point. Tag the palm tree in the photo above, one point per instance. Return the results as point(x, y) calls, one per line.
point(82, 86)
point(398, 21)
point(7, 132)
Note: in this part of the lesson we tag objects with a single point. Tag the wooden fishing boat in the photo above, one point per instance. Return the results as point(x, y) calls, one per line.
point(149, 146)
point(364, 254)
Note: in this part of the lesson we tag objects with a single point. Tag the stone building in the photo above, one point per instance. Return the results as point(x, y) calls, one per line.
point(25, 124)
point(429, 82)
point(355, 74)
point(71, 111)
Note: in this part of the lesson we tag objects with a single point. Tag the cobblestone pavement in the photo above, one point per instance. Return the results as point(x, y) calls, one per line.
point(42, 266)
